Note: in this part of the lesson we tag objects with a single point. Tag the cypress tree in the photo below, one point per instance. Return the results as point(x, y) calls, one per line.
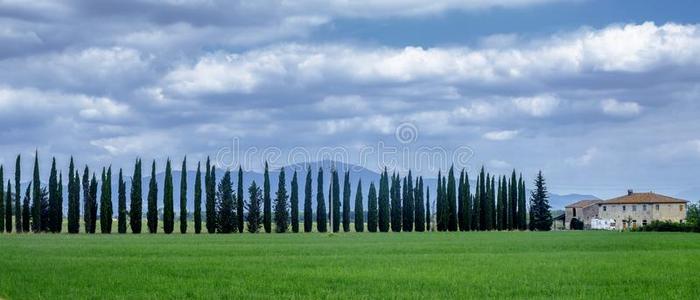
point(168, 209)
point(476, 208)
point(488, 203)
point(460, 203)
point(73, 199)
point(26, 208)
point(267, 202)
point(152, 212)
point(210, 182)
point(522, 219)
point(308, 210)
point(183, 197)
point(441, 226)
point(87, 204)
point(384, 207)
point(18, 198)
point(445, 205)
point(428, 215)
point(500, 218)
point(359, 209)
point(2, 200)
point(106, 212)
point(8, 207)
point(483, 201)
point(44, 209)
point(395, 203)
point(93, 198)
point(372, 217)
point(409, 209)
point(121, 206)
point(330, 202)
point(226, 220)
point(294, 202)
point(53, 197)
point(336, 201)
point(241, 202)
point(254, 216)
point(281, 208)
point(419, 205)
point(198, 200)
point(346, 202)
point(452, 201)
point(136, 205)
point(321, 221)
point(513, 220)
point(36, 196)
point(541, 217)
point(468, 213)
point(59, 212)
point(492, 202)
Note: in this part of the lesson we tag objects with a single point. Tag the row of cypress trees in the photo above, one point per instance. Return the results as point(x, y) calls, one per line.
point(399, 204)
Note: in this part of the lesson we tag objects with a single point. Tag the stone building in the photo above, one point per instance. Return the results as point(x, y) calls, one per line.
point(638, 209)
point(584, 211)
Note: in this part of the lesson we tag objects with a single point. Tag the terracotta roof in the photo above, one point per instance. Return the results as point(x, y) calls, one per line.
point(644, 198)
point(584, 203)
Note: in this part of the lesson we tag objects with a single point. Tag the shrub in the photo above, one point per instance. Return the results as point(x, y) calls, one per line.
point(576, 224)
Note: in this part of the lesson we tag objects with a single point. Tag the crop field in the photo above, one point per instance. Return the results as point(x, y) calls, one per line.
point(588, 265)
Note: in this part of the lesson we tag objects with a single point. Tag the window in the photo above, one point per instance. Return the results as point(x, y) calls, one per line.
point(644, 207)
point(574, 211)
point(681, 207)
point(605, 208)
point(624, 208)
point(644, 222)
point(657, 207)
point(634, 208)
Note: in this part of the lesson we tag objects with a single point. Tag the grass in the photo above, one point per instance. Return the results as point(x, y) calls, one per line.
point(407, 265)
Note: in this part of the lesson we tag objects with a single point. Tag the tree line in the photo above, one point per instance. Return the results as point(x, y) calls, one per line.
point(396, 204)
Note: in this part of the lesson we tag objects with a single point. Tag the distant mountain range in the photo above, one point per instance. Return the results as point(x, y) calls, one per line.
point(356, 173)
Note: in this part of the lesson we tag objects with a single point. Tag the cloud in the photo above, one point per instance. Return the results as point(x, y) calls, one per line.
point(614, 107)
point(501, 135)
point(537, 106)
point(585, 159)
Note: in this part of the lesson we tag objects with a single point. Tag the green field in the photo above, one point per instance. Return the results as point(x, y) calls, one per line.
point(404, 265)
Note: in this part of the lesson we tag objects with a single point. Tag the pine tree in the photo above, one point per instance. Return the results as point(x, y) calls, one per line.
point(452, 201)
point(254, 216)
point(26, 208)
point(93, 198)
point(241, 202)
point(409, 209)
point(294, 202)
point(18, 198)
point(36, 196)
point(372, 217)
point(59, 211)
point(226, 220)
point(152, 213)
point(395, 203)
point(541, 219)
point(53, 197)
point(440, 219)
point(522, 219)
point(346, 202)
point(8, 207)
point(335, 200)
point(106, 212)
point(419, 205)
point(384, 207)
point(428, 215)
point(359, 209)
point(460, 203)
point(121, 204)
point(168, 204)
point(183, 197)
point(321, 221)
point(281, 208)
point(267, 202)
point(2, 200)
point(198, 199)
point(73, 199)
point(308, 210)
point(210, 187)
point(136, 205)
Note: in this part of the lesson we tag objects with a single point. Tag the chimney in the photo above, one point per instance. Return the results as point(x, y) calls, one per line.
point(630, 192)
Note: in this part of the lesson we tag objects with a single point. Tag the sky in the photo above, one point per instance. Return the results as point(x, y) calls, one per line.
point(602, 96)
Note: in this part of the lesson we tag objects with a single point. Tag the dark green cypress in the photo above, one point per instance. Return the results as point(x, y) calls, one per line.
point(445, 205)
point(476, 205)
point(18, 198)
point(321, 221)
point(408, 207)
point(93, 198)
point(440, 219)
point(8, 207)
point(499, 206)
point(346, 202)
point(26, 208)
point(53, 197)
point(395, 203)
point(73, 199)
point(209, 187)
point(59, 212)
point(241, 201)
point(267, 201)
point(359, 209)
point(121, 204)
point(468, 213)
point(36, 196)
point(335, 200)
point(372, 214)
point(483, 201)
point(452, 201)
point(513, 220)
point(226, 219)
point(541, 217)
point(419, 205)
point(168, 205)
point(492, 202)
point(198, 200)
point(384, 206)
point(2, 200)
point(461, 221)
point(254, 216)
point(136, 205)
point(294, 203)
point(152, 212)
point(106, 202)
point(308, 210)
point(87, 203)
point(428, 215)
point(281, 208)
point(183, 197)
point(522, 219)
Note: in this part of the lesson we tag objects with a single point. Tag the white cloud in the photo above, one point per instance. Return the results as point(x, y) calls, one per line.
point(585, 159)
point(537, 106)
point(618, 108)
point(501, 135)
point(342, 104)
point(499, 164)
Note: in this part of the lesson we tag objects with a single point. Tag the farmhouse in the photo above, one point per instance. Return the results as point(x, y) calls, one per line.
point(639, 209)
point(584, 211)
